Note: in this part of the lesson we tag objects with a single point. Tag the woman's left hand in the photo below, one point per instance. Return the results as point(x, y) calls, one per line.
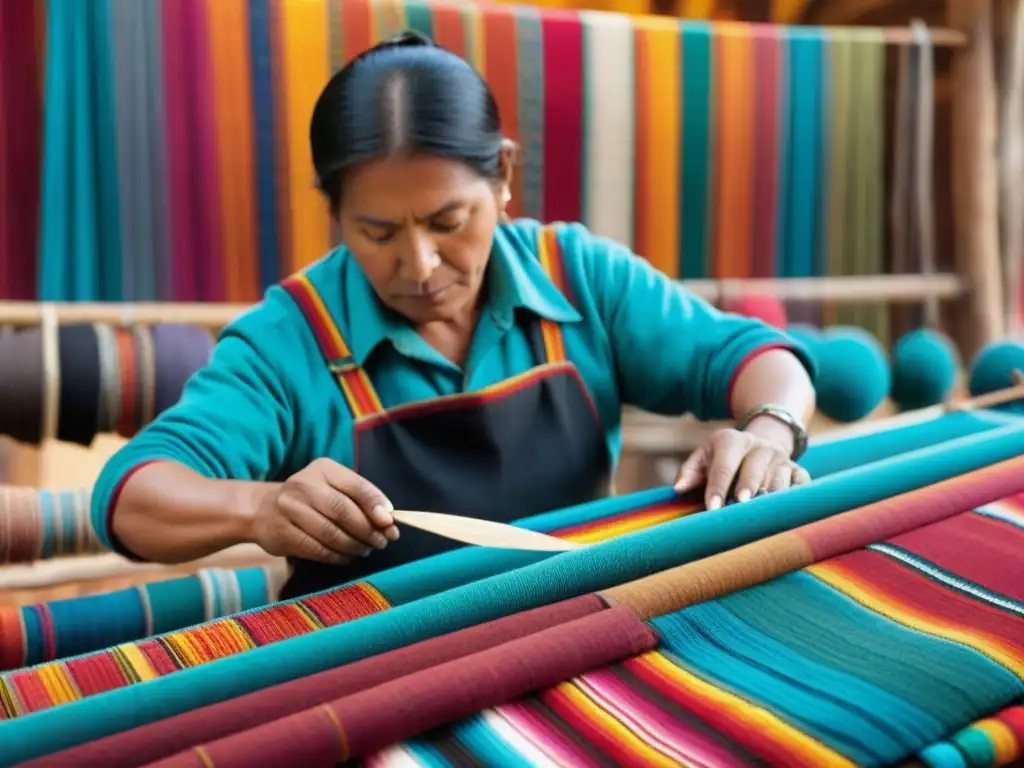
point(744, 461)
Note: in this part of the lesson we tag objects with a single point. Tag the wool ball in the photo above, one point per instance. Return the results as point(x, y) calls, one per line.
point(764, 307)
point(808, 335)
point(992, 369)
point(853, 374)
point(924, 367)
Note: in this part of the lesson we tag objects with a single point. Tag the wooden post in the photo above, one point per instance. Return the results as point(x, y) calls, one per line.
point(976, 173)
point(1011, 159)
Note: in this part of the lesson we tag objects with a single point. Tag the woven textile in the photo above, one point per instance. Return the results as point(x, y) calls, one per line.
point(167, 737)
point(37, 525)
point(864, 659)
point(988, 743)
point(715, 150)
point(33, 634)
point(354, 725)
point(48, 685)
point(557, 578)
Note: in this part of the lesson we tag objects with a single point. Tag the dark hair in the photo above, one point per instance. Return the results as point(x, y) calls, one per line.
point(405, 94)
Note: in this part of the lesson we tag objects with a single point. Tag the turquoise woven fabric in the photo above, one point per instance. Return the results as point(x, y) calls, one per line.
point(560, 577)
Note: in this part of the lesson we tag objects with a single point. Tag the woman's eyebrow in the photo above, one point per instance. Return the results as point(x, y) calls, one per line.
point(446, 208)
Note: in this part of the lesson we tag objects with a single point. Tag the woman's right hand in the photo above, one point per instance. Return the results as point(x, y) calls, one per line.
point(326, 513)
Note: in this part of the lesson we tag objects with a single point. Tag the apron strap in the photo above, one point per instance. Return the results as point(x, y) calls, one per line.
point(354, 383)
point(549, 252)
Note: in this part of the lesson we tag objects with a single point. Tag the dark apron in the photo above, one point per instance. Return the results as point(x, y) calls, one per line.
point(529, 444)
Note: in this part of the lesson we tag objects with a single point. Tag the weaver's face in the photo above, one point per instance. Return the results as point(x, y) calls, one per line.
point(421, 228)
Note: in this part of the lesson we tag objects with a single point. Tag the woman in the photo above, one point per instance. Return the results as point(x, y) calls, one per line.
point(443, 358)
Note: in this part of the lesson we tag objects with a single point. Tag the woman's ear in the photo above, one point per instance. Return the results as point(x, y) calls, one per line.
point(507, 162)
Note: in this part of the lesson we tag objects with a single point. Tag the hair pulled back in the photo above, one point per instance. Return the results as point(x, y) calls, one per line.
point(403, 95)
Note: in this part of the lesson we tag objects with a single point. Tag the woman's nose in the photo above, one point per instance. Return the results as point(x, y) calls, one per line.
point(420, 260)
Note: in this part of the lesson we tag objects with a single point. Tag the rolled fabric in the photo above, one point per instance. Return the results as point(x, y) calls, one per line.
point(167, 737)
point(179, 351)
point(363, 722)
point(32, 634)
point(22, 386)
point(763, 560)
point(108, 411)
point(37, 525)
point(566, 575)
point(989, 743)
point(79, 384)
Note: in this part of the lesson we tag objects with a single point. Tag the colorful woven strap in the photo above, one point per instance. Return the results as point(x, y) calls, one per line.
point(549, 252)
point(354, 383)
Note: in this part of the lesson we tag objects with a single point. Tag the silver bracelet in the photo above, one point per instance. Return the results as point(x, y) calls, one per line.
point(782, 415)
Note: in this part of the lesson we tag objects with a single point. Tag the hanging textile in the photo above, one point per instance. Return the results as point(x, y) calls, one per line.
point(175, 163)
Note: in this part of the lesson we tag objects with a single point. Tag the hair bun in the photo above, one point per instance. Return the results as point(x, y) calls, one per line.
point(409, 38)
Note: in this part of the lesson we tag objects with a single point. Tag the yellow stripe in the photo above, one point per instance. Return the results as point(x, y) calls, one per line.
point(306, 67)
point(191, 654)
point(203, 755)
point(755, 718)
point(242, 637)
point(139, 663)
point(611, 726)
point(372, 592)
point(623, 527)
point(843, 581)
point(1003, 739)
point(54, 680)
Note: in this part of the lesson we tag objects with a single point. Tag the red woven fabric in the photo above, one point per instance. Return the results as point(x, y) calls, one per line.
point(167, 737)
point(364, 722)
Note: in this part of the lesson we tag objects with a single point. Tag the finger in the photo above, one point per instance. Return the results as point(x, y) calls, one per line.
point(724, 465)
point(781, 477)
point(368, 496)
point(752, 474)
point(800, 476)
point(348, 516)
point(692, 472)
point(322, 529)
point(305, 546)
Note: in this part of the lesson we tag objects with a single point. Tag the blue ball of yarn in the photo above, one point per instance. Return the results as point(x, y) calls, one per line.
point(992, 369)
point(924, 367)
point(806, 334)
point(853, 374)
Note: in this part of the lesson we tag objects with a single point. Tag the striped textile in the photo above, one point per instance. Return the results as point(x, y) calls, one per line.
point(992, 742)
point(29, 690)
point(37, 524)
point(714, 149)
point(33, 634)
point(865, 659)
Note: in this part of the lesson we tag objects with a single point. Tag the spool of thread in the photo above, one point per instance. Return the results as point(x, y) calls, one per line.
point(993, 369)
point(853, 374)
point(924, 368)
point(764, 307)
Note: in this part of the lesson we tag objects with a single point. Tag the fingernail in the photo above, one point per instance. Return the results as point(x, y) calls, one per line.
point(392, 533)
point(714, 503)
point(379, 541)
point(383, 513)
point(743, 495)
point(366, 551)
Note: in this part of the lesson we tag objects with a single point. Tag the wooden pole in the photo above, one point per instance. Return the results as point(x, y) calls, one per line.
point(885, 289)
point(1011, 159)
point(976, 174)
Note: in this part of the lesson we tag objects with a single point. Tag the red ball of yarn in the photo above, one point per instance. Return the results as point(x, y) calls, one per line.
point(766, 308)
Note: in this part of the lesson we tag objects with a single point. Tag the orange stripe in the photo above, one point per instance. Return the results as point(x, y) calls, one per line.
point(549, 251)
point(658, 167)
point(735, 161)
